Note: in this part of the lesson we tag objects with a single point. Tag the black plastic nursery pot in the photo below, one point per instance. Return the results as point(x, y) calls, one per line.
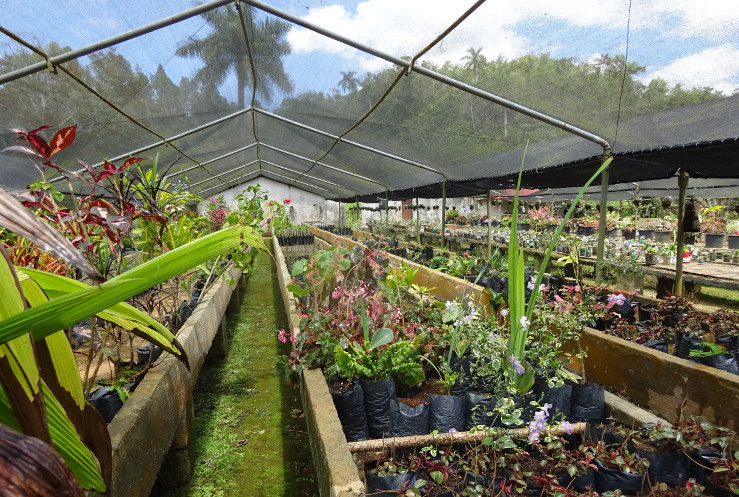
point(350, 407)
point(377, 397)
point(386, 486)
point(714, 240)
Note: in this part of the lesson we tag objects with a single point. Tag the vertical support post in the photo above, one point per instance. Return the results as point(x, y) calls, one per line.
point(443, 214)
point(682, 185)
point(418, 224)
point(387, 208)
point(600, 247)
point(488, 213)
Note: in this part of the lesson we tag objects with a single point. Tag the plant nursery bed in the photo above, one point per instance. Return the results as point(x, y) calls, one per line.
point(337, 470)
point(669, 386)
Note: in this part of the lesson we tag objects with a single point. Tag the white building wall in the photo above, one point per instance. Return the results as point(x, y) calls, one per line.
point(305, 206)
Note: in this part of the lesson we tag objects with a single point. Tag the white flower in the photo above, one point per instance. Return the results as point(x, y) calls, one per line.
point(525, 323)
point(504, 312)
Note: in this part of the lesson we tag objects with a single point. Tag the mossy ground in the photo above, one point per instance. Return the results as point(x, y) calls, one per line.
point(251, 434)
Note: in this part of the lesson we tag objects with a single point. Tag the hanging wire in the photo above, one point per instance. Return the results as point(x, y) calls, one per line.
point(97, 94)
point(395, 82)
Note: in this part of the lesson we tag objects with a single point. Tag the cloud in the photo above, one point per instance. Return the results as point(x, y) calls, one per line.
point(717, 67)
point(511, 28)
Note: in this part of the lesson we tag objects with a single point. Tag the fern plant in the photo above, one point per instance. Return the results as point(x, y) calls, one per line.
point(375, 359)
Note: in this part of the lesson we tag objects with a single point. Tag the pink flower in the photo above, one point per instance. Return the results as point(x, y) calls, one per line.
point(287, 201)
point(284, 336)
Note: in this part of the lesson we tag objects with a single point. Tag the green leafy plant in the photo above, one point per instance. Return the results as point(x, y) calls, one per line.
point(25, 382)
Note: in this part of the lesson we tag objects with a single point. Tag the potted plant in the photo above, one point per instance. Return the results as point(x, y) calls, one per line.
point(713, 226)
point(628, 228)
point(733, 234)
point(647, 232)
point(650, 256)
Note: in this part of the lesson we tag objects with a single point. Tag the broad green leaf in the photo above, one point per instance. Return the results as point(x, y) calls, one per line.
point(298, 267)
point(297, 290)
point(381, 337)
point(69, 309)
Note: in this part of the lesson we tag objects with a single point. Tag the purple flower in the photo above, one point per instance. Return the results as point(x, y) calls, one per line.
point(450, 305)
point(517, 367)
point(452, 430)
point(567, 427)
point(539, 423)
point(617, 298)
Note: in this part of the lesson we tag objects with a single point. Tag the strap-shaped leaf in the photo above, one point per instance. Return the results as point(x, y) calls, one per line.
point(69, 309)
point(124, 315)
point(60, 352)
point(19, 372)
point(64, 438)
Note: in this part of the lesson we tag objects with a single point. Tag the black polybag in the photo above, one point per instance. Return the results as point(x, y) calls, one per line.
point(446, 413)
point(588, 402)
point(409, 420)
point(350, 407)
point(377, 397)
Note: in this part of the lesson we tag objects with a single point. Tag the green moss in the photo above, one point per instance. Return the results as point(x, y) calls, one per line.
point(251, 435)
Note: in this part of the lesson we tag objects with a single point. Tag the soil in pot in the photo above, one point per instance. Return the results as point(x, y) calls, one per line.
point(349, 402)
point(377, 397)
point(447, 413)
point(409, 417)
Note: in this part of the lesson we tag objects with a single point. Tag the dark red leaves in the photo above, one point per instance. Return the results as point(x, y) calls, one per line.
point(63, 138)
point(130, 162)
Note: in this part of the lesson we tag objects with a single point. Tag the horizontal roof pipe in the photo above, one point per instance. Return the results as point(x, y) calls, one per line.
point(438, 77)
point(307, 175)
point(323, 164)
point(261, 171)
point(114, 40)
point(210, 161)
point(224, 173)
point(164, 142)
point(349, 142)
point(293, 180)
point(240, 178)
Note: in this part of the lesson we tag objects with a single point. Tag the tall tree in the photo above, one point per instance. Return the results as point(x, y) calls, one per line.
point(224, 52)
point(348, 82)
point(474, 61)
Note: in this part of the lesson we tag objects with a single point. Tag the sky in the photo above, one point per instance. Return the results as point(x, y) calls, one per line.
point(692, 43)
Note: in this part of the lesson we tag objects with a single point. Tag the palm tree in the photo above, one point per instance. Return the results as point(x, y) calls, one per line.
point(224, 51)
point(475, 61)
point(348, 82)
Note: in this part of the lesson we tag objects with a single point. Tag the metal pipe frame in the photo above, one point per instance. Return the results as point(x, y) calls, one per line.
point(539, 116)
point(224, 173)
point(307, 175)
point(164, 142)
point(349, 142)
point(210, 161)
point(323, 164)
point(114, 40)
point(241, 178)
point(74, 54)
